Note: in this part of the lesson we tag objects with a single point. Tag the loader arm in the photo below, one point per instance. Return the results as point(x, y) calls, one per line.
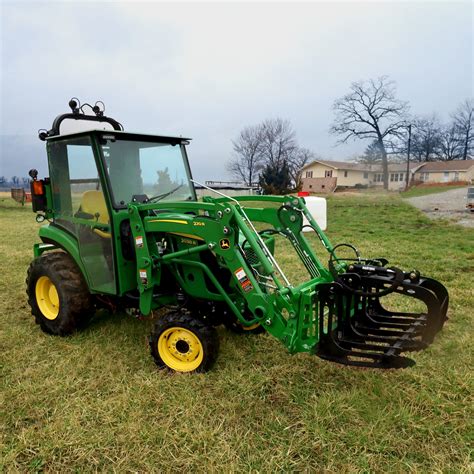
point(324, 315)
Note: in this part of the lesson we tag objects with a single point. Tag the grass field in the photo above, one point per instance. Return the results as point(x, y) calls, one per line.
point(425, 190)
point(95, 400)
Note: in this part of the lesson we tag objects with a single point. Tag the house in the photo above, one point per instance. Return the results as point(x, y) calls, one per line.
point(397, 175)
point(322, 176)
point(446, 171)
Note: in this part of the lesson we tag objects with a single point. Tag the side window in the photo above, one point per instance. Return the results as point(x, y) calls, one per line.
point(83, 175)
point(73, 173)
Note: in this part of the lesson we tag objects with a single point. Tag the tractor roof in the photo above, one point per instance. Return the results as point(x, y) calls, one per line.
point(143, 136)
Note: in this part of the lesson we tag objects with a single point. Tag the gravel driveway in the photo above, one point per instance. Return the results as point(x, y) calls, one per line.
point(447, 205)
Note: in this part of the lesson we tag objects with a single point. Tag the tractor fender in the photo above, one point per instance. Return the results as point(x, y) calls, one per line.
point(51, 234)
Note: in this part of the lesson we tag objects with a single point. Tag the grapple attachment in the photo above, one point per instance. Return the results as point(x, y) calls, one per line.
point(357, 329)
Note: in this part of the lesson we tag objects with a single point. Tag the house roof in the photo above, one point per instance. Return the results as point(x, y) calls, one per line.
point(377, 168)
point(340, 165)
point(401, 166)
point(455, 165)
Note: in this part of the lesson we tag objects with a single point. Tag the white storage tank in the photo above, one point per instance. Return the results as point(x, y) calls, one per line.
point(317, 207)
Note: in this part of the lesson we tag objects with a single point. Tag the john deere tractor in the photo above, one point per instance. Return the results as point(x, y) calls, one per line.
point(125, 230)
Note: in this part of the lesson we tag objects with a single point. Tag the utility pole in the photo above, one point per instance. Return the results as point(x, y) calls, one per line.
point(408, 158)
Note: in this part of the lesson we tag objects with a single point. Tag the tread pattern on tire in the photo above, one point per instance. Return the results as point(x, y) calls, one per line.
point(206, 334)
point(75, 299)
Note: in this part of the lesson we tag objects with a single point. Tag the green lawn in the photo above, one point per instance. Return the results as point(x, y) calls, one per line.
point(425, 190)
point(96, 401)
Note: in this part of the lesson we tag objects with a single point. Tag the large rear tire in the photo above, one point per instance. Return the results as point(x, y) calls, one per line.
point(182, 343)
point(57, 293)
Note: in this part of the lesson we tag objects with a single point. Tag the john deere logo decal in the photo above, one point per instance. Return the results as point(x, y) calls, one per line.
point(225, 244)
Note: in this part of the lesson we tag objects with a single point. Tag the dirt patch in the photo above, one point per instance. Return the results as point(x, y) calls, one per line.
point(446, 205)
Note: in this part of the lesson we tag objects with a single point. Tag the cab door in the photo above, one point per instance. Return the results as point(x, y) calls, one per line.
point(80, 208)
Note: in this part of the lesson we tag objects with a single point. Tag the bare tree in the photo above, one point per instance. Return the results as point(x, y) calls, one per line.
point(299, 158)
point(371, 111)
point(450, 143)
point(426, 138)
point(270, 145)
point(247, 160)
point(464, 123)
point(278, 141)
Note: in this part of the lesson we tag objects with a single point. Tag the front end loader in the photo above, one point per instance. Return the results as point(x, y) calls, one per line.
point(126, 230)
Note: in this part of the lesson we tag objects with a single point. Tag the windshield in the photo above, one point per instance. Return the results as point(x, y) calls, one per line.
point(139, 169)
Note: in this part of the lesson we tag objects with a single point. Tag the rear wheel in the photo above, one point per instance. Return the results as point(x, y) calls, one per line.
point(184, 344)
point(57, 293)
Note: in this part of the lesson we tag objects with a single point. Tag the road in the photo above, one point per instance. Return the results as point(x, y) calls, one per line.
point(447, 205)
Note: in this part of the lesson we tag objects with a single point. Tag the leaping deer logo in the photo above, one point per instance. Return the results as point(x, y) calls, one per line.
point(225, 244)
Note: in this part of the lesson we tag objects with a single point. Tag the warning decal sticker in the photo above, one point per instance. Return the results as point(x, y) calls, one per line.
point(244, 281)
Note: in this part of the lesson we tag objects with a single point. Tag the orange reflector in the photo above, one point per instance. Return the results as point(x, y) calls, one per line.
point(37, 187)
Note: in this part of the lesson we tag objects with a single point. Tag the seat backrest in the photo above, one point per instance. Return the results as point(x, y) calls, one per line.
point(93, 202)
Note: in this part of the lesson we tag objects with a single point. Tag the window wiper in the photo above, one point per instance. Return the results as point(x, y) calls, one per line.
point(159, 197)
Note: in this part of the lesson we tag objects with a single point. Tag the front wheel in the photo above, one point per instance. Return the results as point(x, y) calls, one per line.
point(182, 343)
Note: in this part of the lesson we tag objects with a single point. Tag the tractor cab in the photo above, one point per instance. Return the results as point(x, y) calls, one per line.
point(93, 176)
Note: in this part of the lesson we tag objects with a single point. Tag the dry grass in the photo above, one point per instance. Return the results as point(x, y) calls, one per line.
point(95, 400)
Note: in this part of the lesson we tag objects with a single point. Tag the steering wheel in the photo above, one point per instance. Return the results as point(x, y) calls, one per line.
point(345, 279)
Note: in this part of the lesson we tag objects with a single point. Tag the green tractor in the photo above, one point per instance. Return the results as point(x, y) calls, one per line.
point(126, 230)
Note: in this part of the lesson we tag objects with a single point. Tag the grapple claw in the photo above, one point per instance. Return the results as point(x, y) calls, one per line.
point(356, 329)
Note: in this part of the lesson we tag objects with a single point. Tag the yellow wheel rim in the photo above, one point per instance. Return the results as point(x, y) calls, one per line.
point(180, 349)
point(47, 298)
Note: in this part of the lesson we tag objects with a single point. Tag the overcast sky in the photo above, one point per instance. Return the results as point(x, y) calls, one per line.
point(206, 70)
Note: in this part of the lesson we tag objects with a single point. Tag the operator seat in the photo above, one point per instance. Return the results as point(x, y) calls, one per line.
point(93, 205)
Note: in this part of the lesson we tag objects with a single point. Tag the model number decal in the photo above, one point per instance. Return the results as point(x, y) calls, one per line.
point(197, 223)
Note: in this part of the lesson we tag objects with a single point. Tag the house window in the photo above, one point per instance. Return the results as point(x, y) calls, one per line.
point(396, 177)
point(446, 174)
point(401, 175)
point(345, 174)
point(366, 175)
point(456, 176)
point(328, 174)
point(392, 177)
point(424, 176)
point(309, 174)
